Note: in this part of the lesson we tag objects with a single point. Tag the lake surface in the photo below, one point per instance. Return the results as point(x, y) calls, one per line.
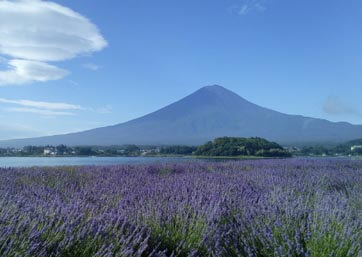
point(77, 161)
point(70, 161)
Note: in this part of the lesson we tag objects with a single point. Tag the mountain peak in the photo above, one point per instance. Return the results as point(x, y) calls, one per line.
point(214, 88)
point(217, 90)
point(210, 112)
point(221, 94)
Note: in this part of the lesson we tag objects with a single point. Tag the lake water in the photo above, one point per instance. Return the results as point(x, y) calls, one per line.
point(70, 161)
point(75, 161)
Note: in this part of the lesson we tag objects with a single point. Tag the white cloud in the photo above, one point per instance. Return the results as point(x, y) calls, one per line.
point(105, 109)
point(248, 6)
point(49, 108)
point(43, 31)
point(334, 105)
point(91, 66)
point(39, 111)
point(42, 105)
point(41, 108)
point(244, 9)
point(24, 71)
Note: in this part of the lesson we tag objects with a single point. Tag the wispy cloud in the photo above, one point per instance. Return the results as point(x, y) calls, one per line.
point(23, 71)
point(41, 108)
point(91, 66)
point(105, 109)
point(42, 105)
point(39, 111)
point(334, 105)
point(57, 33)
point(50, 108)
point(245, 7)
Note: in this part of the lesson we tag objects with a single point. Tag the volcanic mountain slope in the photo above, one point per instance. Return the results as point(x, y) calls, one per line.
point(210, 112)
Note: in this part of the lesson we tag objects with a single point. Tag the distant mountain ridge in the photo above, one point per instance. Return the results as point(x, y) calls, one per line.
point(210, 112)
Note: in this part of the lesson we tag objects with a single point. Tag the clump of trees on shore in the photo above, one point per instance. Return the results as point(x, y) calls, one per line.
point(235, 146)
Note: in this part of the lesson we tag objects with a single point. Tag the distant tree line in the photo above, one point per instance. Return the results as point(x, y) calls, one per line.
point(63, 150)
point(351, 148)
point(224, 146)
point(123, 150)
point(178, 150)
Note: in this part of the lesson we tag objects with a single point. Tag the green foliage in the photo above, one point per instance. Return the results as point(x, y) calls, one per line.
point(274, 152)
point(28, 150)
point(61, 149)
point(84, 151)
point(131, 150)
point(234, 146)
point(316, 150)
point(353, 147)
point(178, 150)
point(178, 235)
point(331, 240)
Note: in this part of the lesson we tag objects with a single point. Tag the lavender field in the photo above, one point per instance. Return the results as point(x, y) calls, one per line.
point(249, 208)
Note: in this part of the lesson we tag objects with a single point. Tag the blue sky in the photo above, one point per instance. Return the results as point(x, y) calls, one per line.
point(72, 65)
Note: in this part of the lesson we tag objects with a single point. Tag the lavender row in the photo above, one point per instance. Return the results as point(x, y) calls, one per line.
point(261, 208)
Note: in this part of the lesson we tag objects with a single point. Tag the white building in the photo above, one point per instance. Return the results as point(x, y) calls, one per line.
point(48, 152)
point(356, 147)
